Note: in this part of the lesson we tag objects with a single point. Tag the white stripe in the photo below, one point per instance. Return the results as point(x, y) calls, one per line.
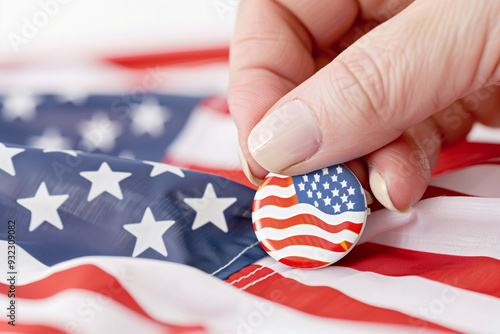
point(258, 280)
point(304, 229)
point(271, 211)
point(436, 302)
point(273, 190)
point(310, 252)
point(80, 311)
point(479, 180)
point(179, 294)
point(248, 275)
point(464, 226)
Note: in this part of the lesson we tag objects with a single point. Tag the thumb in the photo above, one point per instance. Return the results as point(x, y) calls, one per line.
point(405, 70)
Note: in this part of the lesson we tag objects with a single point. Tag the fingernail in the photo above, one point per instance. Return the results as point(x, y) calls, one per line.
point(368, 196)
point(380, 191)
point(246, 169)
point(286, 136)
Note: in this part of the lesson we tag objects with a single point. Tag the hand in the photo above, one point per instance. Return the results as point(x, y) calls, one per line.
point(306, 93)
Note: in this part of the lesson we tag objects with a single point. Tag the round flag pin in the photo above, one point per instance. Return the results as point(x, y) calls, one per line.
point(310, 220)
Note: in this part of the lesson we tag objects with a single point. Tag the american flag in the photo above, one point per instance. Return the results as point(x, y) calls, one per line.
point(110, 239)
point(311, 220)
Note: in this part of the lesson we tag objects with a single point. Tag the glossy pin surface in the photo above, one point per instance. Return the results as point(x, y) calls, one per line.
point(310, 220)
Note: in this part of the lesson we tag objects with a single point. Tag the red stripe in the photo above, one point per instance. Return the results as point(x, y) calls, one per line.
point(478, 274)
point(199, 57)
point(29, 329)
point(91, 278)
point(277, 181)
point(302, 262)
point(235, 175)
point(306, 219)
point(328, 302)
point(275, 200)
point(465, 154)
point(270, 245)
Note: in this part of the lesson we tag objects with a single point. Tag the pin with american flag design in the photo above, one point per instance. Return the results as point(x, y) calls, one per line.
point(310, 220)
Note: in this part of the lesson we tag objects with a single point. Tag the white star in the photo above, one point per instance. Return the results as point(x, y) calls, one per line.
point(316, 177)
point(159, 168)
point(325, 170)
point(70, 152)
point(302, 186)
point(339, 169)
point(344, 183)
point(335, 192)
point(344, 198)
point(149, 233)
point(6, 155)
point(327, 200)
point(99, 133)
point(318, 194)
point(316, 203)
point(149, 117)
point(51, 138)
point(103, 180)
point(336, 207)
point(210, 209)
point(350, 205)
point(334, 178)
point(326, 185)
point(313, 186)
point(20, 105)
point(43, 207)
point(351, 190)
point(309, 194)
point(305, 177)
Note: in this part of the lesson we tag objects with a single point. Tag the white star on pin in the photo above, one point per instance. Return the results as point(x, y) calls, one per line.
point(350, 205)
point(344, 183)
point(309, 194)
point(325, 170)
point(6, 155)
point(313, 186)
point(318, 194)
point(327, 200)
point(344, 198)
point(20, 105)
point(305, 177)
point(51, 138)
point(99, 133)
point(159, 168)
point(43, 207)
point(351, 190)
point(149, 117)
point(210, 209)
point(302, 186)
point(326, 185)
point(149, 233)
point(316, 177)
point(105, 180)
point(336, 207)
point(334, 178)
point(339, 169)
point(335, 192)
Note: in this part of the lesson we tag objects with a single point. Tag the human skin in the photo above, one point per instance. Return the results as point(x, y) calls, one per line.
point(381, 85)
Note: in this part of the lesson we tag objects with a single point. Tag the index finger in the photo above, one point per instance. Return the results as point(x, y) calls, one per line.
point(272, 52)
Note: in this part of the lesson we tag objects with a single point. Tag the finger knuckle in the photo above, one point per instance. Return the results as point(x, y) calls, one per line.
point(359, 86)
